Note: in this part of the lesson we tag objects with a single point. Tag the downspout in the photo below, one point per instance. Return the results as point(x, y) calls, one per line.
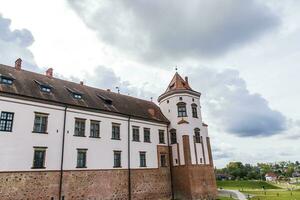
point(62, 154)
point(128, 161)
point(170, 163)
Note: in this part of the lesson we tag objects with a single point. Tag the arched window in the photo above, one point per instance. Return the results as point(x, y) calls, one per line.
point(181, 107)
point(197, 135)
point(173, 136)
point(194, 110)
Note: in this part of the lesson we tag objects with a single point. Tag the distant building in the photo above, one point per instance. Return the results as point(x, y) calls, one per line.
point(296, 174)
point(63, 139)
point(270, 176)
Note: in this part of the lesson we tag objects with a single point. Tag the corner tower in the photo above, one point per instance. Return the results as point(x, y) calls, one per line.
point(192, 163)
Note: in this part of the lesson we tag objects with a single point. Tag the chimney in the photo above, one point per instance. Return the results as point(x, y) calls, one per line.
point(108, 90)
point(186, 79)
point(81, 82)
point(49, 73)
point(18, 64)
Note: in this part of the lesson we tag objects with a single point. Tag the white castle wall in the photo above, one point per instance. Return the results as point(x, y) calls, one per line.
point(17, 146)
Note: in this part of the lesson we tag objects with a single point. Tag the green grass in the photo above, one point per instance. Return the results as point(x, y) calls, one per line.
point(224, 198)
point(275, 195)
point(245, 185)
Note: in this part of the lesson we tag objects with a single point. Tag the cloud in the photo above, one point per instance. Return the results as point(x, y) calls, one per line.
point(14, 44)
point(232, 107)
point(158, 30)
point(105, 78)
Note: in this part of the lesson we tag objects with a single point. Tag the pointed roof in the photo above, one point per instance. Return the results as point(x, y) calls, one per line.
point(178, 85)
point(177, 82)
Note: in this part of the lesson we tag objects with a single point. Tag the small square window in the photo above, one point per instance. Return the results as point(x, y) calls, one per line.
point(115, 131)
point(95, 129)
point(163, 160)
point(40, 123)
point(161, 135)
point(39, 157)
point(142, 159)
point(117, 159)
point(135, 134)
point(147, 135)
point(81, 158)
point(79, 127)
point(6, 121)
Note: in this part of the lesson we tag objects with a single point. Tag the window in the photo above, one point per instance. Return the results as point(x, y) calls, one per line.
point(163, 160)
point(45, 89)
point(135, 133)
point(95, 129)
point(201, 160)
point(197, 135)
point(79, 127)
point(6, 121)
point(147, 135)
point(75, 94)
point(117, 159)
point(142, 159)
point(39, 157)
point(105, 99)
point(161, 134)
point(6, 80)
point(115, 131)
point(44, 86)
point(194, 110)
point(173, 136)
point(81, 158)
point(40, 123)
point(181, 109)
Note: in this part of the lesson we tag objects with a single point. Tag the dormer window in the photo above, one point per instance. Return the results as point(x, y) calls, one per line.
point(44, 87)
point(6, 80)
point(105, 99)
point(75, 94)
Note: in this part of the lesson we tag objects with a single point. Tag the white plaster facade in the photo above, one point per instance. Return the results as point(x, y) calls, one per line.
point(168, 106)
point(17, 146)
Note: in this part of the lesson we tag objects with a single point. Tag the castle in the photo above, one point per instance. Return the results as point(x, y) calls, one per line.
point(63, 140)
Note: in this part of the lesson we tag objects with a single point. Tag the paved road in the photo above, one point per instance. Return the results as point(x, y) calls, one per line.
point(234, 193)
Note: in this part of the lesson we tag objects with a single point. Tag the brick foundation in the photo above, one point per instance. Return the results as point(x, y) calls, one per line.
point(193, 181)
point(88, 184)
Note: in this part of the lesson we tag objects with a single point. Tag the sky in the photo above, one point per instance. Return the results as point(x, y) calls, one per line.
point(243, 56)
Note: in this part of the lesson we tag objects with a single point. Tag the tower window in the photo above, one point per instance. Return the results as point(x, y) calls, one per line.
point(180, 98)
point(147, 135)
point(161, 136)
point(173, 136)
point(194, 110)
point(163, 160)
point(181, 107)
point(197, 135)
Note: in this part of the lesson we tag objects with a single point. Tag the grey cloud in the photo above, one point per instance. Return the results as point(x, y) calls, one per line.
point(222, 153)
point(105, 78)
point(232, 107)
point(14, 44)
point(157, 30)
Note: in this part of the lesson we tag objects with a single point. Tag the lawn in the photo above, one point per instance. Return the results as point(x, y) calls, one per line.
point(275, 195)
point(242, 185)
point(254, 189)
point(224, 198)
